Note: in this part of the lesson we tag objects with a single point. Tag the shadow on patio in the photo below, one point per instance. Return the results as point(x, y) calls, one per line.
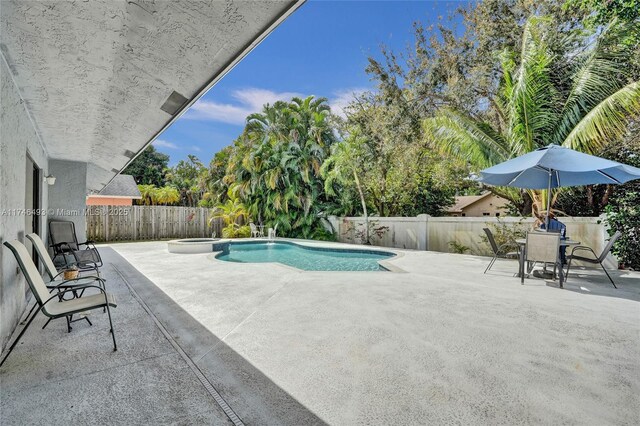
point(53, 377)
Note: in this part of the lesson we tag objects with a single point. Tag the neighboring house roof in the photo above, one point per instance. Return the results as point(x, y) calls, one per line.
point(121, 186)
point(465, 201)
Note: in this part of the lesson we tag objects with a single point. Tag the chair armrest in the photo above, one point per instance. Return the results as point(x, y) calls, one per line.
point(84, 266)
point(87, 243)
point(585, 248)
point(507, 245)
point(62, 247)
point(80, 287)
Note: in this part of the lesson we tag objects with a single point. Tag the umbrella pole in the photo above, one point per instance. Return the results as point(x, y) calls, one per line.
point(546, 222)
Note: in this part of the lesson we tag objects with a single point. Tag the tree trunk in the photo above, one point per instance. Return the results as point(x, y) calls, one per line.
point(590, 198)
point(605, 198)
point(364, 208)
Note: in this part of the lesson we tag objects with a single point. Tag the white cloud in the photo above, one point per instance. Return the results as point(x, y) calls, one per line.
point(164, 144)
point(195, 148)
point(249, 100)
point(343, 98)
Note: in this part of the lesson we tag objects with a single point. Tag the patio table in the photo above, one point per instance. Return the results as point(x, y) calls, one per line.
point(522, 242)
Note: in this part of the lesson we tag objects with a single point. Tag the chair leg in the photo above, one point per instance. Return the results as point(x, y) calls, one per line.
point(568, 267)
point(560, 274)
point(13, 345)
point(47, 323)
point(30, 311)
point(491, 263)
point(608, 276)
point(113, 334)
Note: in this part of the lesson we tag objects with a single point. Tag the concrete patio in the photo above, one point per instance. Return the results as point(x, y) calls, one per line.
point(439, 344)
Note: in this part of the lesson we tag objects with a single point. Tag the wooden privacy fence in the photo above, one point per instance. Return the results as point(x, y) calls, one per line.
point(131, 223)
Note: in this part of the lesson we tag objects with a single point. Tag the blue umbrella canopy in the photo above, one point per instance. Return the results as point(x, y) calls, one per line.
point(554, 166)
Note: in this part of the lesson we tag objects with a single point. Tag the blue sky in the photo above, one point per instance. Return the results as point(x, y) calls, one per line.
point(320, 50)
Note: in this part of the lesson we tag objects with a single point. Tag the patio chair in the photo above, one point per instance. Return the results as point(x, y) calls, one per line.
point(595, 259)
point(56, 282)
point(47, 261)
point(254, 230)
point(501, 251)
point(273, 231)
point(543, 247)
point(64, 242)
point(53, 306)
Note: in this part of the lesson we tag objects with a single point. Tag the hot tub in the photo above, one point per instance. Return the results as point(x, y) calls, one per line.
point(192, 245)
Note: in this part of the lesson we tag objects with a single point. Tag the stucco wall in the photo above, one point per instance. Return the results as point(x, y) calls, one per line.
point(18, 139)
point(67, 198)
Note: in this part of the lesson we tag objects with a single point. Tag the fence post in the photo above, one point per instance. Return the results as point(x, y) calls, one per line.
point(423, 231)
point(153, 223)
point(134, 218)
point(106, 225)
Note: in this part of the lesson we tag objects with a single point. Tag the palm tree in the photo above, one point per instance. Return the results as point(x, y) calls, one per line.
point(147, 192)
point(276, 171)
point(167, 195)
point(230, 212)
point(342, 166)
point(582, 100)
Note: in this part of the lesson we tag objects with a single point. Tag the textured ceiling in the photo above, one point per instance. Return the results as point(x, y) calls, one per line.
point(94, 74)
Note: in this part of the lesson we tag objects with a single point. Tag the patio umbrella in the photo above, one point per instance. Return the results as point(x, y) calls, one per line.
point(553, 167)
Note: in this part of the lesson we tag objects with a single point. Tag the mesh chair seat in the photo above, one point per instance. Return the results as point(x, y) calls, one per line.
point(80, 304)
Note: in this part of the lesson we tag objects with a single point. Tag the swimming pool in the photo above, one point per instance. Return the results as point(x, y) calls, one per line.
point(303, 257)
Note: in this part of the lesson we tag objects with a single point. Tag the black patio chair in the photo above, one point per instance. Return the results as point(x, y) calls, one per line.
point(595, 259)
point(64, 242)
point(501, 251)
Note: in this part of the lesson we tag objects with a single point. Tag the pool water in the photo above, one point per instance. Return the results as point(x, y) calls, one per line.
point(303, 257)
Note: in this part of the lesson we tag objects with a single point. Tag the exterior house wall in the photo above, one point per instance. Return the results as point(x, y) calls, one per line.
point(68, 197)
point(488, 205)
point(108, 201)
point(18, 138)
point(491, 204)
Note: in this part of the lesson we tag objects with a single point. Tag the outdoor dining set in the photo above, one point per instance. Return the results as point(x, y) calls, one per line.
point(547, 248)
point(550, 168)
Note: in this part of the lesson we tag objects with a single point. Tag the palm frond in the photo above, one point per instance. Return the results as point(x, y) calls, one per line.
point(598, 74)
point(529, 90)
point(460, 136)
point(607, 121)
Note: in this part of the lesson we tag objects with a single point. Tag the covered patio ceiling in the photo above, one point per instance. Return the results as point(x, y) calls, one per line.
point(102, 79)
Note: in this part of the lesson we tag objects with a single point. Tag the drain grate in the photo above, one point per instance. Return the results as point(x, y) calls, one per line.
point(205, 382)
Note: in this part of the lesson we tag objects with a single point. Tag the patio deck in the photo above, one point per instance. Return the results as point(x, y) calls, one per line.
point(441, 343)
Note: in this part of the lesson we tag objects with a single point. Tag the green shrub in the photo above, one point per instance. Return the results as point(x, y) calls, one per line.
point(233, 230)
point(623, 214)
point(458, 248)
point(505, 232)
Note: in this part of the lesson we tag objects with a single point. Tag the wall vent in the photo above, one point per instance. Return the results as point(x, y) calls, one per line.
point(129, 154)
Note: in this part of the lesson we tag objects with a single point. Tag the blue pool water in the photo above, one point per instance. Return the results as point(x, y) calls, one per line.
point(302, 257)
